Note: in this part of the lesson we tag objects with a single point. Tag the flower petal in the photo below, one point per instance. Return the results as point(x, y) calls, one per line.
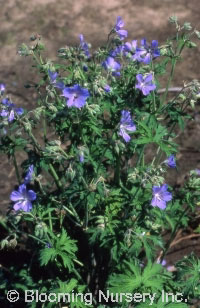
point(11, 116)
point(131, 127)
point(59, 85)
point(4, 113)
point(167, 196)
point(119, 23)
point(154, 43)
point(156, 189)
point(25, 206)
point(159, 203)
point(164, 188)
point(18, 206)
point(29, 175)
point(147, 58)
point(139, 78)
point(148, 78)
point(31, 195)
point(19, 111)
point(125, 136)
point(122, 34)
point(22, 189)
point(145, 91)
point(16, 196)
point(79, 102)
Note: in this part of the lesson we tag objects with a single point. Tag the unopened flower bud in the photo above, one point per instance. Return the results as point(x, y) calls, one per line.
point(13, 243)
point(173, 19)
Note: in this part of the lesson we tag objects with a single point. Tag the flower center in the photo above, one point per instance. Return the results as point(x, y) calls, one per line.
point(158, 196)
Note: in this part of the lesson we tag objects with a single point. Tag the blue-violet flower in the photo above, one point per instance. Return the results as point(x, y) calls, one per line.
point(171, 162)
point(163, 263)
point(119, 50)
point(81, 157)
point(112, 65)
point(76, 96)
point(126, 124)
point(84, 46)
point(161, 196)
point(107, 88)
point(57, 84)
point(23, 198)
point(2, 88)
point(146, 52)
point(29, 175)
point(122, 33)
point(130, 47)
point(145, 84)
point(52, 76)
point(197, 171)
point(10, 110)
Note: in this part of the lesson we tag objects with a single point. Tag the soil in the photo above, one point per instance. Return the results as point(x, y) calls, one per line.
point(60, 22)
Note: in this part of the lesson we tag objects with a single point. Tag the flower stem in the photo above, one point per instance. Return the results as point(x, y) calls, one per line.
point(44, 127)
point(55, 176)
point(153, 92)
point(169, 80)
point(117, 169)
point(16, 168)
point(36, 238)
point(50, 222)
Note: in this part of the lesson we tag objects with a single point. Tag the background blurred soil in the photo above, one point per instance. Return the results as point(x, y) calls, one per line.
point(60, 22)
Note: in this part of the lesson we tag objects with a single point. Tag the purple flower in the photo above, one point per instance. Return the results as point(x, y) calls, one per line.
point(84, 46)
point(6, 102)
point(126, 124)
point(146, 52)
point(163, 263)
point(2, 88)
point(197, 171)
point(76, 96)
point(60, 85)
point(171, 162)
point(48, 245)
point(53, 76)
point(130, 48)
point(122, 33)
point(29, 175)
point(171, 268)
point(112, 65)
point(23, 198)
point(10, 109)
point(107, 88)
point(119, 50)
point(85, 67)
point(145, 84)
point(10, 115)
point(81, 157)
point(161, 196)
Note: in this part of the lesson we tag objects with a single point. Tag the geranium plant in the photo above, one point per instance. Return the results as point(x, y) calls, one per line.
point(92, 208)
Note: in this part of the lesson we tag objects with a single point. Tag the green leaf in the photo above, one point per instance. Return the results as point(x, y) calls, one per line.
point(47, 255)
point(63, 249)
point(152, 278)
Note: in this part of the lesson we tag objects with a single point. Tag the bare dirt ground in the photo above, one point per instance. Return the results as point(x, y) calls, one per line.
point(60, 22)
